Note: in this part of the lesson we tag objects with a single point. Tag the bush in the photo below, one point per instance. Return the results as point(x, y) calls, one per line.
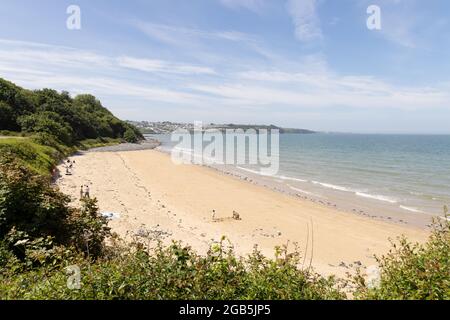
point(29, 203)
point(175, 272)
point(88, 229)
point(130, 136)
point(413, 271)
point(49, 123)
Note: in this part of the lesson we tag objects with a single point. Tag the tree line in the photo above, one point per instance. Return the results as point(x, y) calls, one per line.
point(56, 116)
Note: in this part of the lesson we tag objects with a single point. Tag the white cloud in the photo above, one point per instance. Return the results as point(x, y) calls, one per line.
point(198, 43)
point(158, 66)
point(309, 84)
point(37, 66)
point(102, 86)
point(398, 26)
point(179, 36)
point(305, 19)
point(15, 54)
point(253, 5)
point(325, 89)
point(406, 24)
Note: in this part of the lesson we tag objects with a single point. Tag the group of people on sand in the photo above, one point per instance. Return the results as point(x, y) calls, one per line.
point(236, 216)
point(69, 166)
point(85, 192)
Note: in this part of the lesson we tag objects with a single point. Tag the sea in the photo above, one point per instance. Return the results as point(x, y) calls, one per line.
point(405, 178)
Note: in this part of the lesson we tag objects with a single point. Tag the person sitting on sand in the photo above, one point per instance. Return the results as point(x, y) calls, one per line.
point(236, 216)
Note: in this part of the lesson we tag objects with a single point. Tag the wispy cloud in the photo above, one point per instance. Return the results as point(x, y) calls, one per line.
point(160, 66)
point(198, 42)
point(314, 87)
point(175, 35)
point(305, 19)
point(399, 23)
point(405, 23)
point(15, 54)
point(253, 5)
point(311, 84)
point(37, 66)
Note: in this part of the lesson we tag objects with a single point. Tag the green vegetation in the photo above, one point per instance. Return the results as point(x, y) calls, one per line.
point(41, 234)
point(414, 271)
point(29, 153)
point(172, 272)
point(59, 118)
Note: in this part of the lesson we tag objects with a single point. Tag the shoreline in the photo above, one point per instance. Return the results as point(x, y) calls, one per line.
point(374, 187)
point(377, 211)
point(150, 194)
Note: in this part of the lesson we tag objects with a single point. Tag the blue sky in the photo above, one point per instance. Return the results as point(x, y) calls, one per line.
point(296, 63)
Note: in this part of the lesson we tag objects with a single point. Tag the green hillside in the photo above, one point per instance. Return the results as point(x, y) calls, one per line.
point(57, 118)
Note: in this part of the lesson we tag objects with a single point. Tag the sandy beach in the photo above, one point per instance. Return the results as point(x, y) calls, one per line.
point(147, 192)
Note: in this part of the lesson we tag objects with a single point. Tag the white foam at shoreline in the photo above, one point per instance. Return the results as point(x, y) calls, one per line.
point(256, 172)
point(273, 176)
point(290, 178)
point(358, 193)
point(376, 197)
point(411, 209)
point(332, 186)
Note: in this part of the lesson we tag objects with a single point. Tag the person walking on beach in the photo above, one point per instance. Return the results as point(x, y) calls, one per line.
point(86, 192)
point(81, 193)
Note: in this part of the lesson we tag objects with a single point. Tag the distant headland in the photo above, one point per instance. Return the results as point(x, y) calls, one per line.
point(167, 127)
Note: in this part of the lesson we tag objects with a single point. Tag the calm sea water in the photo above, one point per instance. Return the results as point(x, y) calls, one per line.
point(410, 173)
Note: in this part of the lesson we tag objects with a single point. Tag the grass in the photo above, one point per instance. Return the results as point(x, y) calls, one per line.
point(41, 159)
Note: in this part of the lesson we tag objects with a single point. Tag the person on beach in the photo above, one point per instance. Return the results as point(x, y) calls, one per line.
point(86, 192)
point(54, 173)
point(81, 193)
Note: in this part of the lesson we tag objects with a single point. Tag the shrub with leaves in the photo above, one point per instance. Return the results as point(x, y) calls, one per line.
point(412, 270)
point(88, 228)
point(29, 203)
point(33, 208)
point(175, 272)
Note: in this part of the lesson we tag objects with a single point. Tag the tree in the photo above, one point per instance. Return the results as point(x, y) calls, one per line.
point(130, 136)
point(7, 118)
point(29, 203)
point(58, 114)
point(50, 123)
